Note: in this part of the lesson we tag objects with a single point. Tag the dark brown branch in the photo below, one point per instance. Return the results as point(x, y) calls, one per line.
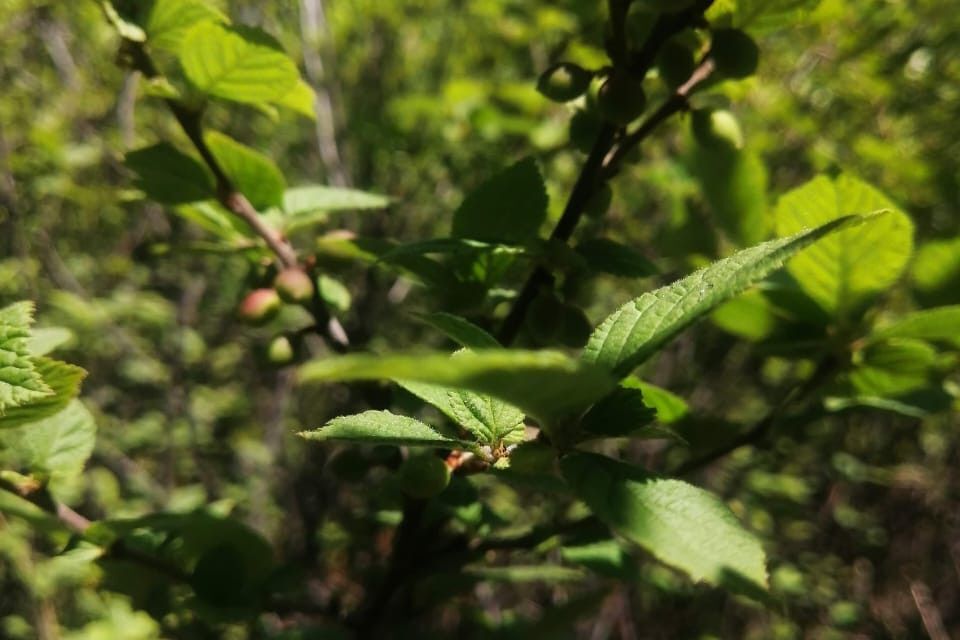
point(227, 193)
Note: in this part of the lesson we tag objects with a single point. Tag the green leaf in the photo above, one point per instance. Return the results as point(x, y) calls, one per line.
point(300, 99)
point(252, 173)
point(490, 420)
point(170, 176)
point(681, 525)
point(734, 183)
point(669, 406)
point(236, 63)
point(941, 324)
point(749, 316)
point(759, 14)
point(460, 330)
point(936, 272)
point(641, 327)
point(64, 381)
point(509, 207)
point(608, 256)
point(20, 382)
point(127, 29)
point(58, 445)
point(550, 573)
point(843, 273)
point(212, 217)
point(309, 198)
point(544, 384)
point(334, 292)
point(169, 21)
point(383, 427)
point(46, 339)
point(618, 415)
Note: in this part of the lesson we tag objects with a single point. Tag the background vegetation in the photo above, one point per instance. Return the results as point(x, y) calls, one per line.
point(857, 506)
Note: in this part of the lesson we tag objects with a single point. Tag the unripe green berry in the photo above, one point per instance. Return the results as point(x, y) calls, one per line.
point(584, 127)
point(599, 202)
point(423, 476)
point(294, 285)
point(564, 81)
point(734, 53)
point(675, 63)
point(621, 99)
point(260, 306)
point(716, 129)
point(280, 351)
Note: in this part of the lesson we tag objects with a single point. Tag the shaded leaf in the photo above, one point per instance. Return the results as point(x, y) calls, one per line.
point(544, 384)
point(681, 525)
point(168, 175)
point(941, 324)
point(607, 256)
point(509, 207)
point(460, 330)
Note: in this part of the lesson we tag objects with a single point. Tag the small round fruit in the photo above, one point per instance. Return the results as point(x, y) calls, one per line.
point(564, 82)
point(734, 53)
point(294, 285)
point(675, 63)
point(543, 317)
point(584, 127)
point(621, 99)
point(716, 129)
point(280, 351)
point(260, 306)
point(599, 202)
point(423, 476)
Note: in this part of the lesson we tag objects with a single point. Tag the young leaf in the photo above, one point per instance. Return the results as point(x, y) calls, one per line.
point(57, 445)
point(509, 207)
point(544, 384)
point(734, 184)
point(167, 175)
point(843, 272)
point(47, 339)
point(169, 21)
point(638, 329)
point(254, 174)
point(680, 524)
point(460, 330)
point(383, 427)
point(20, 382)
point(236, 63)
point(298, 201)
point(64, 381)
point(941, 324)
point(300, 100)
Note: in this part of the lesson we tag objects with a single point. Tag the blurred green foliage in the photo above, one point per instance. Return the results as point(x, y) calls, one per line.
point(854, 498)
